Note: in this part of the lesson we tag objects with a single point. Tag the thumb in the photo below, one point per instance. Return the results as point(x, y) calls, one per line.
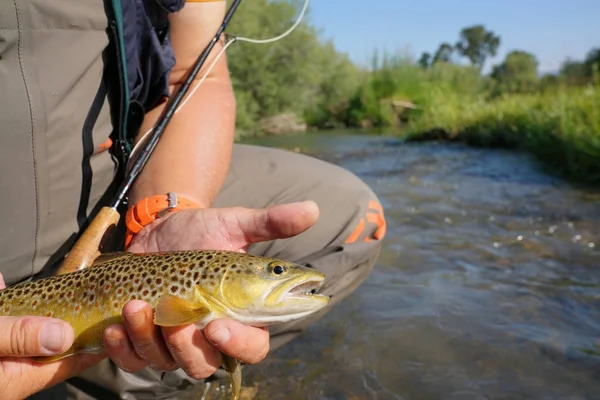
point(277, 222)
point(34, 336)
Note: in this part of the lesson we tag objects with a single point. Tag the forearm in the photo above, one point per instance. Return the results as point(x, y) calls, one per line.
point(193, 154)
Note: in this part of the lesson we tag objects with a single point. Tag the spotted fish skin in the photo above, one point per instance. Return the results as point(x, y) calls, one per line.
point(93, 298)
point(107, 285)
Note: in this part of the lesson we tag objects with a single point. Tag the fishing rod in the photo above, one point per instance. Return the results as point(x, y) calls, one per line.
point(87, 248)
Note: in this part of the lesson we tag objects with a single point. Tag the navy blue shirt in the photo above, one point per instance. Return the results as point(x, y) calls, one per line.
point(148, 51)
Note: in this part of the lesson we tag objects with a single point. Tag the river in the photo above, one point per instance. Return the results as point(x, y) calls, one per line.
point(487, 287)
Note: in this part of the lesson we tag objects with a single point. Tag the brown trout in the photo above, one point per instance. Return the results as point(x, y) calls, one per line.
point(182, 287)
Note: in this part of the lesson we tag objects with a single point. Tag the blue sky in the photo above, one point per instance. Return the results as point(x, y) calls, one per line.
point(552, 30)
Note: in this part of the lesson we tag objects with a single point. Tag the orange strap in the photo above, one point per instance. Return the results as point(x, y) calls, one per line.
point(149, 209)
point(373, 216)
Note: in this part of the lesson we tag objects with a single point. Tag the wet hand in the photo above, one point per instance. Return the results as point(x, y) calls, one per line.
point(232, 228)
point(22, 337)
point(139, 343)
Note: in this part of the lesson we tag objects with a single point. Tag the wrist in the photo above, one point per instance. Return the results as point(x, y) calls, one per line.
point(149, 209)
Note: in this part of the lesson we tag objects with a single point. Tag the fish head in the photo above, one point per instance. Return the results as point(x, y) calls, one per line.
point(267, 291)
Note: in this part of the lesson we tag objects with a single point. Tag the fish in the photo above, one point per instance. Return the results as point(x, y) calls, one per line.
point(182, 287)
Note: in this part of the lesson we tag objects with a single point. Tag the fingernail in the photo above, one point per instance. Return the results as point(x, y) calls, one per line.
point(52, 337)
point(136, 319)
point(220, 336)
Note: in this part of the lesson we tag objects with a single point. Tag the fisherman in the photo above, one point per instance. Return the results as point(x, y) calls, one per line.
point(73, 77)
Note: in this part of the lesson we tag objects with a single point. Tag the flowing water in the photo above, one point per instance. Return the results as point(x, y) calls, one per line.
point(487, 287)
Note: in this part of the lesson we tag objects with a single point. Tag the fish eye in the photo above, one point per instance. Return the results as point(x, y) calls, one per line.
point(277, 269)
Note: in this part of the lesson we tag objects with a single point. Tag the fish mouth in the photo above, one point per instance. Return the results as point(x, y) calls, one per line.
point(304, 288)
point(307, 288)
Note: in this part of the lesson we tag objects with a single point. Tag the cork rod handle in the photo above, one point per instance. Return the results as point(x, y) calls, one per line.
point(87, 247)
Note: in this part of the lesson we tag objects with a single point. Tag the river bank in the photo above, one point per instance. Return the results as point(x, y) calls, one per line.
point(304, 83)
point(561, 128)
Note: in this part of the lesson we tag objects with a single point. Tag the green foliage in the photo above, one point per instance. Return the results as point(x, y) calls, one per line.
point(556, 117)
point(425, 60)
point(444, 53)
point(517, 74)
point(574, 72)
point(592, 60)
point(300, 74)
point(562, 128)
point(477, 44)
point(396, 80)
point(583, 72)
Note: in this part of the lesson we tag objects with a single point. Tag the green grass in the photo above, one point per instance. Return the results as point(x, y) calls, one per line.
point(559, 124)
point(561, 127)
point(399, 80)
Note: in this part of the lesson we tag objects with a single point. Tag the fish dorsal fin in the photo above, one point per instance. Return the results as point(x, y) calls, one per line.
point(174, 311)
point(102, 258)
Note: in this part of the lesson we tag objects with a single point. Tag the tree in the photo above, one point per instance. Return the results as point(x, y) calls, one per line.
point(573, 72)
point(517, 73)
point(592, 64)
point(592, 57)
point(443, 53)
point(581, 72)
point(296, 75)
point(477, 44)
point(425, 60)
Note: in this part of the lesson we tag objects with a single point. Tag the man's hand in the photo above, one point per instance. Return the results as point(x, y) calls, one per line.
point(22, 337)
point(139, 343)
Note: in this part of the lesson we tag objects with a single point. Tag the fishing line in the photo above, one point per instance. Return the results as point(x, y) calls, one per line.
point(232, 39)
point(393, 161)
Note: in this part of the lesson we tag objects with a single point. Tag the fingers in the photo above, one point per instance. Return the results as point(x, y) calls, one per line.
point(190, 349)
point(138, 342)
point(34, 336)
point(120, 349)
point(2, 283)
point(146, 337)
point(245, 343)
point(277, 222)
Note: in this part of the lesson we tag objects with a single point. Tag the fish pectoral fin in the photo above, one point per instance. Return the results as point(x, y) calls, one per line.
point(174, 311)
point(234, 369)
